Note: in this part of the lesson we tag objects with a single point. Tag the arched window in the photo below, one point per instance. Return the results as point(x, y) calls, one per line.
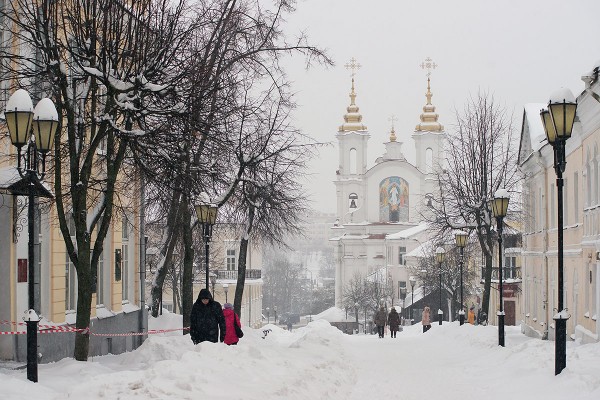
point(353, 201)
point(588, 180)
point(428, 160)
point(353, 161)
point(595, 186)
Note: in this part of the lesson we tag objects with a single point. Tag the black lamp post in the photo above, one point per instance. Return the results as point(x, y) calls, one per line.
point(21, 118)
point(207, 216)
point(226, 289)
point(461, 241)
point(275, 314)
point(439, 256)
point(558, 123)
point(356, 310)
point(412, 281)
point(499, 210)
point(268, 316)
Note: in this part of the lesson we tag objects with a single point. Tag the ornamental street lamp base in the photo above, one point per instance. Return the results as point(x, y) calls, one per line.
point(32, 350)
point(501, 329)
point(560, 345)
point(461, 319)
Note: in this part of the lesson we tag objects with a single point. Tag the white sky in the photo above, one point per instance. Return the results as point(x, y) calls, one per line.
point(319, 362)
point(521, 51)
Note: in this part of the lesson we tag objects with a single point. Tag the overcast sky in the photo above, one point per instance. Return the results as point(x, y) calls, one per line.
point(521, 51)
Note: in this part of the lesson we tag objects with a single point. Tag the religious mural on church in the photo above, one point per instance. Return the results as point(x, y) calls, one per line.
point(393, 200)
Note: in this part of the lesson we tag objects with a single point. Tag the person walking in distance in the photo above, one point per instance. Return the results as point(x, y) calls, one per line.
point(380, 321)
point(207, 322)
point(471, 315)
point(425, 321)
point(393, 322)
point(231, 320)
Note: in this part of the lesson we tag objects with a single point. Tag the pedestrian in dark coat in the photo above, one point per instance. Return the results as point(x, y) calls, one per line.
point(394, 322)
point(380, 320)
point(231, 318)
point(207, 322)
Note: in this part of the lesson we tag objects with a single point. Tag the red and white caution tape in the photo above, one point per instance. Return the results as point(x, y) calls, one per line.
point(86, 331)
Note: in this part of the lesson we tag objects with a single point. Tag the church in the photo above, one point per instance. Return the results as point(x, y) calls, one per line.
point(380, 207)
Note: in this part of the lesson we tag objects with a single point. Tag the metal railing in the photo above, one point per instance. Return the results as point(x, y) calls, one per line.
point(232, 274)
point(512, 273)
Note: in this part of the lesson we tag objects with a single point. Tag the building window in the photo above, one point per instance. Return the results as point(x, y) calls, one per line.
point(576, 197)
point(100, 280)
point(510, 264)
point(353, 201)
point(70, 274)
point(552, 207)
point(353, 164)
point(401, 290)
point(401, 254)
point(428, 160)
point(231, 260)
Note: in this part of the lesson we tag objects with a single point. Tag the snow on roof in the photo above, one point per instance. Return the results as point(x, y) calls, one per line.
point(8, 176)
point(537, 135)
point(332, 314)
point(408, 232)
point(424, 250)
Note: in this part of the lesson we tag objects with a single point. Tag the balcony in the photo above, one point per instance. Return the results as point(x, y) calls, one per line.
point(231, 275)
point(509, 275)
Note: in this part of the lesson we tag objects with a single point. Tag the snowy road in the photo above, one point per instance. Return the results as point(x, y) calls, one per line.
point(319, 362)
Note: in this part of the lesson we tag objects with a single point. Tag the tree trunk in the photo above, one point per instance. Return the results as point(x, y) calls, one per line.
point(241, 278)
point(84, 306)
point(187, 292)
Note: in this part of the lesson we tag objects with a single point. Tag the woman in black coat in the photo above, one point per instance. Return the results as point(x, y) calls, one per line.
point(207, 322)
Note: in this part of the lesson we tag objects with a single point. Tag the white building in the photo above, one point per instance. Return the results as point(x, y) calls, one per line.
point(375, 203)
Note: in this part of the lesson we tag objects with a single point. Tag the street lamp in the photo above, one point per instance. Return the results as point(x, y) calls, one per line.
point(275, 312)
point(461, 241)
point(412, 281)
point(499, 210)
point(226, 289)
point(558, 122)
point(268, 316)
point(20, 119)
point(439, 257)
point(207, 216)
point(356, 310)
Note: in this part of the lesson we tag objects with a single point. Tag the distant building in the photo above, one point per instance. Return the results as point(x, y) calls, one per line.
point(376, 204)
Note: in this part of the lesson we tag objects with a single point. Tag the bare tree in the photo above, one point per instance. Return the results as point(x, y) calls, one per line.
point(235, 52)
point(481, 159)
point(107, 66)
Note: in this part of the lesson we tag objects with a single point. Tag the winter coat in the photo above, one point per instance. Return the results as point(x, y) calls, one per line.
point(207, 320)
point(394, 320)
point(425, 320)
point(380, 317)
point(471, 317)
point(230, 319)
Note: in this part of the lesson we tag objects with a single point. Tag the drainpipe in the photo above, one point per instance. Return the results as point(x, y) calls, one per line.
point(143, 316)
point(545, 252)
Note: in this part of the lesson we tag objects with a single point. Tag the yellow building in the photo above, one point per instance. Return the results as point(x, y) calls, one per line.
point(581, 221)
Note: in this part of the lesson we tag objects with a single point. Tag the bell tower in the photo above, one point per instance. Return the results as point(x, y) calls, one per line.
point(352, 139)
point(429, 135)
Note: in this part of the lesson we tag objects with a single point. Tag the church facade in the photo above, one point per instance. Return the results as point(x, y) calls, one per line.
point(380, 207)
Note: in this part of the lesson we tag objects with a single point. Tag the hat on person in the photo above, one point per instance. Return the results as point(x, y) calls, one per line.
point(227, 306)
point(204, 294)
